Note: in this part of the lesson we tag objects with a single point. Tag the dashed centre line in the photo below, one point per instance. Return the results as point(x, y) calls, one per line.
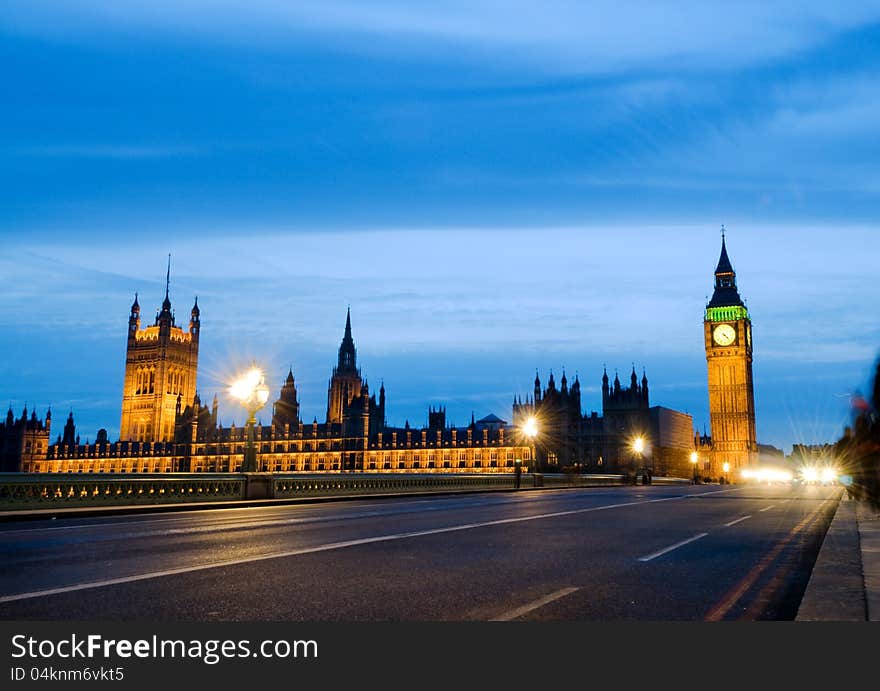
point(665, 550)
point(530, 607)
point(738, 520)
point(325, 548)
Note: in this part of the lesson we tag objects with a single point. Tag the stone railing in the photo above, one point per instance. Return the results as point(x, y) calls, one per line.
point(322, 485)
point(574, 480)
point(54, 490)
point(62, 490)
point(671, 481)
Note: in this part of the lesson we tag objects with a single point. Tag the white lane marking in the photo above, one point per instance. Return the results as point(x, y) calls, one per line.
point(231, 524)
point(202, 528)
point(672, 547)
point(717, 491)
point(766, 508)
point(172, 516)
point(525, 609)
point(319, 548)
point(727, 525)
point(245, 524)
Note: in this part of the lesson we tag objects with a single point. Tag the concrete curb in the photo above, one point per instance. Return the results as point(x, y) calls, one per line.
point(869, 537)
point(836, 590)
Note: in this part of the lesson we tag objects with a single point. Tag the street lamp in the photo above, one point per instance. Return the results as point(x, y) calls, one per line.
point(251, 391)
point(695, 458)
point(726, 468)
point(638, 446)
point(529, 429)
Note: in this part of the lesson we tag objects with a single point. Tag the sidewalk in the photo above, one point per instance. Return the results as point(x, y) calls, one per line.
point(869, 535)
point(845, 583)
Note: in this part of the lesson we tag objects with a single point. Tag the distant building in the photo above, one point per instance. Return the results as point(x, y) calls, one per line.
point(491, 422)
point(811, 454)
point(727, 330)
point(354, 436)
point(769, 455)
point(605, 443)
point(672, 438)
point(23, 440)
point(161, 363)
point(166, 428)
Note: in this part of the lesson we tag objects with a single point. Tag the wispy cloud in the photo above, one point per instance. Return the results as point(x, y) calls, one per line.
point(496, 138)
point(104, 151)
point(607, 35)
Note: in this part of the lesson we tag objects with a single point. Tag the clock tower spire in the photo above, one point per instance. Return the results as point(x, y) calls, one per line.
point(727, 329)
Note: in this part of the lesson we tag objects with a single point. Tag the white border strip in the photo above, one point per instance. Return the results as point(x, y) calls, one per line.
point(525, 609)
point(738, 520)
point(672, 547)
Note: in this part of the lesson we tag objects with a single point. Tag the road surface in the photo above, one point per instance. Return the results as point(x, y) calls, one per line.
point(620, 553)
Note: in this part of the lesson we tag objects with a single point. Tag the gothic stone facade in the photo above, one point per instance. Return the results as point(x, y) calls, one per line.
point(727, 329)
point(354, 436)
point(161, 362)
point(165, 427)
point(605, 443)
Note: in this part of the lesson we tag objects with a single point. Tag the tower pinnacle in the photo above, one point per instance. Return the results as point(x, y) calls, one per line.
point(166, 303)
point(726, 293)
point(347, 352)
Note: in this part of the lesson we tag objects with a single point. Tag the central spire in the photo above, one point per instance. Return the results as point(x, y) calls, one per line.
point(166, 303)
point(347, 351)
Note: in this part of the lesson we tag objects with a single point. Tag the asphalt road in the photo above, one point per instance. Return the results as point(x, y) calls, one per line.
point(624, 553)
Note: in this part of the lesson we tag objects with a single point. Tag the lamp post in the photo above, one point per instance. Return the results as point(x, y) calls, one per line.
point(638, 446)
point(251, 391)
point(695, 458)
point(726, 468)
point(529, 429)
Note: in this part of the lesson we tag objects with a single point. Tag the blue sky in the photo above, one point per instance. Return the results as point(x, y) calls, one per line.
point(493, 187)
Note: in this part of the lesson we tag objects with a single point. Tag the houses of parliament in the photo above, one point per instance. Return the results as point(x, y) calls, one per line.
point(165, 426)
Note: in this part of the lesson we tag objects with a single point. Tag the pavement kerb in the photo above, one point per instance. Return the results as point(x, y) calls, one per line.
point(836, 589)
point(869, 539)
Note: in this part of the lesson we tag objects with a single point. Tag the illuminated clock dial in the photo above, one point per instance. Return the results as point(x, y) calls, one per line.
point(724, 334)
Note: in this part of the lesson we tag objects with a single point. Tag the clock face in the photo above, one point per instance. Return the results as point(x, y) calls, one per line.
point(724, 334)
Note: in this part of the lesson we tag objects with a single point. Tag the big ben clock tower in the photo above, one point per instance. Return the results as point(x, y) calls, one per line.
point(728, 336)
